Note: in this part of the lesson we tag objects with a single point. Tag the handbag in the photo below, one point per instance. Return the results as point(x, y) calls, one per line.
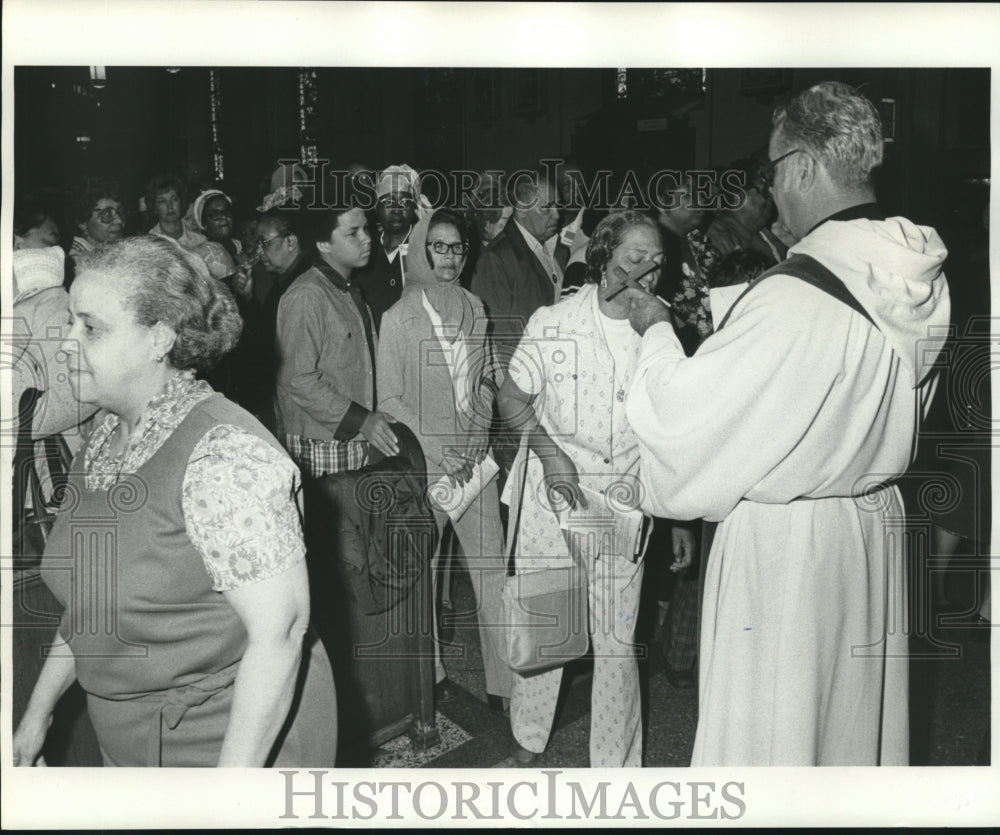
point(545, 611)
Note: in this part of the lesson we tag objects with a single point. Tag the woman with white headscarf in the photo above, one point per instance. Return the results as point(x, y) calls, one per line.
point(212, 214)
point(447, 404)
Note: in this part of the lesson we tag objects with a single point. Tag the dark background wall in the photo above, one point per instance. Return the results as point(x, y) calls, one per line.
point(147, 120)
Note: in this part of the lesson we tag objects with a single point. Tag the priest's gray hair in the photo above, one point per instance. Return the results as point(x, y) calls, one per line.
point(839, 126)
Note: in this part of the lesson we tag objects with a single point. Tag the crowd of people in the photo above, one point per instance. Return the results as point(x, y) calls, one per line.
point(753, 373)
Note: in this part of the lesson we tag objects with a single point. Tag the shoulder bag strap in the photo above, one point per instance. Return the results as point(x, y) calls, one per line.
point(516, 499)
point(811, 271)
point(24, 452)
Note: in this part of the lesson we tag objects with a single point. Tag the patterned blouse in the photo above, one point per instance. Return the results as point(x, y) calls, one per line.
point(690, 299)
point(238, 492)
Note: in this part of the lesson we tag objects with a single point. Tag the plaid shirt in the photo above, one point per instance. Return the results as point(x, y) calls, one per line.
point(317, 458)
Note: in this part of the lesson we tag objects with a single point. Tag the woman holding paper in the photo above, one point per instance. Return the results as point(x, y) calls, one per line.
point(565, 392)
point(434, 375)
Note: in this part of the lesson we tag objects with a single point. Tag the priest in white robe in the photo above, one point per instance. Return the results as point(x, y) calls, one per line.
point(789, 426)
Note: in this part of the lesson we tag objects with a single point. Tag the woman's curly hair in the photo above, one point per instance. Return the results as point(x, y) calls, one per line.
point(163, 283)
point(607, 237)
point(88, 192)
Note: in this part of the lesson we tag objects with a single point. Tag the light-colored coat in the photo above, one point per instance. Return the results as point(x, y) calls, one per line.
point(785, 425)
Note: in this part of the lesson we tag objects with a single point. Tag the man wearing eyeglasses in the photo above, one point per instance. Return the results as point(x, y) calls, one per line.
point(519, 272)
point(789, 426)
point(383, 278)
point(281, 255)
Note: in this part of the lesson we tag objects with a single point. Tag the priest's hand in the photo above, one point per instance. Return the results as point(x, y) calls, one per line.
point(645, 310)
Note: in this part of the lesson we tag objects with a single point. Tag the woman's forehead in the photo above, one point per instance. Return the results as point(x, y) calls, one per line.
point(644, 236)
point(97, 289)
point(444, 230)
point(353, 219)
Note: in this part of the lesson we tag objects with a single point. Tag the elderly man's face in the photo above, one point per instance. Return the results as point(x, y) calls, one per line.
point(277, 251)
point(397, 212)
point(781, 155)
point(541, 217)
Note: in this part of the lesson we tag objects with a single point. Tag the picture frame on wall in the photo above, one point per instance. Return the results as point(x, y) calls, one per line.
point(529, 93)
point(765, 81)
point(485, 95)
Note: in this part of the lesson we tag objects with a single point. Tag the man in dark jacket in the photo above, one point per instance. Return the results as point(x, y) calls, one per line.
point(282, 256)
point(383, 277)
point(519, 273)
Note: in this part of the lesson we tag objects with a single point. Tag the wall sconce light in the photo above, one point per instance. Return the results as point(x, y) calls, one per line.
point(887, 113)
point(98, 78)
point(173, 70)
point(83, 141)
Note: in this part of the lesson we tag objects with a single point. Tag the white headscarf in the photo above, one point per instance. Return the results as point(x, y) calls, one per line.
point(398, 178)
point(199, 205)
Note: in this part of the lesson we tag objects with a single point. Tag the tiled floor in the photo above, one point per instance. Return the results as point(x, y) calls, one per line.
point(950, 703)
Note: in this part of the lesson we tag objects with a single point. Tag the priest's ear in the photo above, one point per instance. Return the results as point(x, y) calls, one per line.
point(805, 170)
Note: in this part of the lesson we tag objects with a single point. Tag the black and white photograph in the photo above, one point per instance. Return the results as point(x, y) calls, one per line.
point(427, 414)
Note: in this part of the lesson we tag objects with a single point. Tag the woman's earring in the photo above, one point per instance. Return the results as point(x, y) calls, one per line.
point(604, 280)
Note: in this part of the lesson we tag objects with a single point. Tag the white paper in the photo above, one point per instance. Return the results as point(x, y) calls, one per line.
point(614, 531)
point(456, 500)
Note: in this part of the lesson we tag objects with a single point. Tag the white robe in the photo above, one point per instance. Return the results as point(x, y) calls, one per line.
point(778, 426)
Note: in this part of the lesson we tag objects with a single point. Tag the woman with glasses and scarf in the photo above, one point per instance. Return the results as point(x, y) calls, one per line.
point(434, 375)
point(212, 213)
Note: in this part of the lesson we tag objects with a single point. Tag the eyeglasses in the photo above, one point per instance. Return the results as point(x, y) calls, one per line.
point(108, 214)
point(441, 248)
point(263, 242)
point(397, 202)
point(773, 164)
